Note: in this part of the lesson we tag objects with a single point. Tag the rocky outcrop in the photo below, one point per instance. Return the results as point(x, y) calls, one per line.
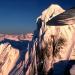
point(56, 30)
point(13, 53)
point(52, 46)
point(50, 51)
point(8, 58)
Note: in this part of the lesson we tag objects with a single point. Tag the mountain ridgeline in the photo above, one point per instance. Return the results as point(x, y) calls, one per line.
point(50, 50)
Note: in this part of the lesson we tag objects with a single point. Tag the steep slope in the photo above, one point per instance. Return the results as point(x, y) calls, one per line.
point(13, 50)
point(50, 51)
point(8, 58)
point(56, 30)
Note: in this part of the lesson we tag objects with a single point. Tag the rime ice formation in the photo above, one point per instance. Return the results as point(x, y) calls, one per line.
point(49, 51)
point(56, 30)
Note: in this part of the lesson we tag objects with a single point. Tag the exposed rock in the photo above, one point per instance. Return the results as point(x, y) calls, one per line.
point(56, 38)
point(12, 53)
point(49, 51)
point(8, 58)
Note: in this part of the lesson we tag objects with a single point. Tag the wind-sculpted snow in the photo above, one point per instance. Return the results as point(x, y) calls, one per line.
point(56, 43)
point(49, 51)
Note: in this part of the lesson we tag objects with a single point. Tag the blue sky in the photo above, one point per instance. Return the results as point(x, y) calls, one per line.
point(19, 16)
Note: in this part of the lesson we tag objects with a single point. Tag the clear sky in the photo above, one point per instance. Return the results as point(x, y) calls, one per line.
point(19, 16)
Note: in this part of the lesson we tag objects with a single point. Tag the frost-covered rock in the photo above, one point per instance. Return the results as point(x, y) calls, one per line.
point(56, 29)
point(8, 58)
